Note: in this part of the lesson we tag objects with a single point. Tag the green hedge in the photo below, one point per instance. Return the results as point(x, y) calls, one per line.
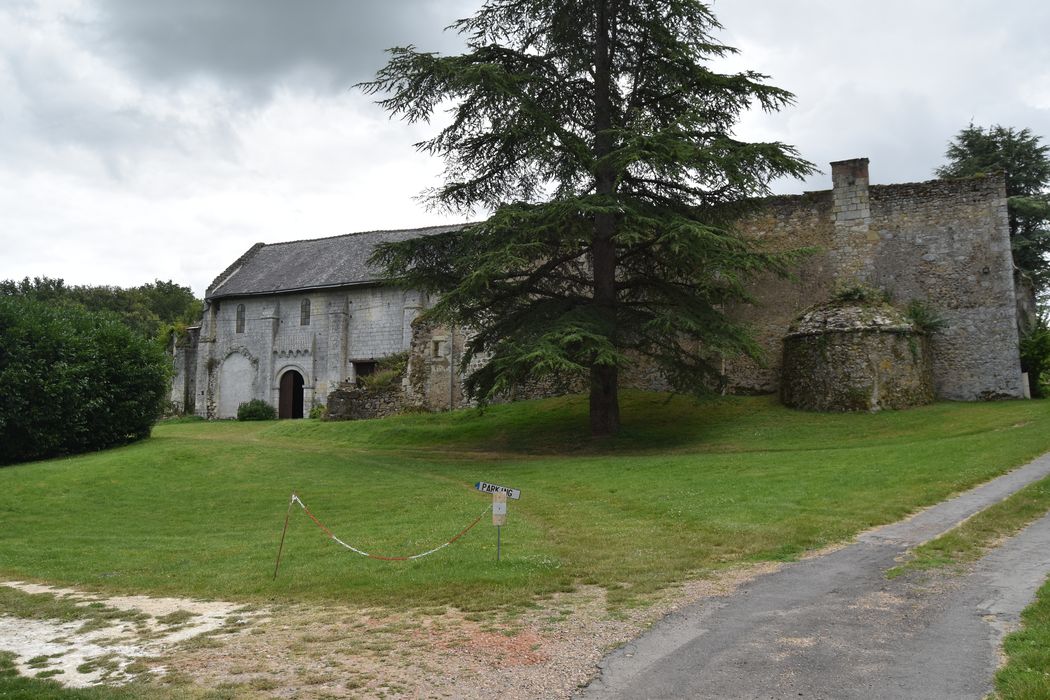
point(73, 381)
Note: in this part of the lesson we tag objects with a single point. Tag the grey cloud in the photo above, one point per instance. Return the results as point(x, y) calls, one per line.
point(249, 45)
point(892, 80)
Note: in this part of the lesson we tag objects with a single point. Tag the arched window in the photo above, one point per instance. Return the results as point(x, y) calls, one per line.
point(240, 318)
point(304, 313)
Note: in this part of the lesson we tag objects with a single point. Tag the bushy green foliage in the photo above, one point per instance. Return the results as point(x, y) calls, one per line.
point(317, 412)
point(862, 294)
point(256, 409)
point(1035, 356)
point(381, 379)
point(389, 371)
point(397, 363)
point(73, 381)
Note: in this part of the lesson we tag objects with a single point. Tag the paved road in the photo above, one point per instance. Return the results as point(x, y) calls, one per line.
point(833, 627)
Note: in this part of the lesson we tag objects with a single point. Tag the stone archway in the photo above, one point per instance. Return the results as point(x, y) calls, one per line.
point(290, 396)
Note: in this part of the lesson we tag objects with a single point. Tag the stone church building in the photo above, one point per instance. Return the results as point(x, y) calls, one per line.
point(288, 323)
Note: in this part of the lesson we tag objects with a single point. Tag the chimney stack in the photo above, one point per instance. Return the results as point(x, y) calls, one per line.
point(849, 187)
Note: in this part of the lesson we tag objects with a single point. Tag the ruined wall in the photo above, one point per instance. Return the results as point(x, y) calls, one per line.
point(349, 402)
point(184, 372)
point(433, 378)
point(943, 242)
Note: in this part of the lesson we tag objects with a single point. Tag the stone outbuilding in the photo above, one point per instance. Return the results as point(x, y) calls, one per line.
point(855, 356)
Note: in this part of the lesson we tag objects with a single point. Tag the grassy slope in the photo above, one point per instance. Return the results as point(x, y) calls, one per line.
point(687, 487)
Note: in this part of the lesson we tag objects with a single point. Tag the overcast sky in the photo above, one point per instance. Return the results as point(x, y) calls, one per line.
point(144, 139)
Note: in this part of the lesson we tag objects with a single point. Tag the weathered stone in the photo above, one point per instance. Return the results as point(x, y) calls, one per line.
point(933, 239)
point(855, 357)
point(349, 402)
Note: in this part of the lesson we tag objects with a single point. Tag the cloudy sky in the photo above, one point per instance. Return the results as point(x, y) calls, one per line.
point(144, 139)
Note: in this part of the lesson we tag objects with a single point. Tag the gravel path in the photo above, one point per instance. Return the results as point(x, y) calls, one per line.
point(835, 627)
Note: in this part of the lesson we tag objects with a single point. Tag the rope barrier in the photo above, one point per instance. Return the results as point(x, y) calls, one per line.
point(324, 528)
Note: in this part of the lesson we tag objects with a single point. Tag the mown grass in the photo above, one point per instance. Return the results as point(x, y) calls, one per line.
point(1026, 675)
point(970, 540)
point(686, 488)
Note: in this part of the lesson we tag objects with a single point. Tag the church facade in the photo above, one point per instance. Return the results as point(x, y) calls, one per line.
point(288, 322)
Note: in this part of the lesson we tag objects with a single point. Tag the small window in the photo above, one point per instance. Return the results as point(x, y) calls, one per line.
point(437, 348)
point(304, 313)
point(240, 318)
point(363, 369)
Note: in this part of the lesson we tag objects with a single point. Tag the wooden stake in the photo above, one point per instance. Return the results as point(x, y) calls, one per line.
point(280, 547)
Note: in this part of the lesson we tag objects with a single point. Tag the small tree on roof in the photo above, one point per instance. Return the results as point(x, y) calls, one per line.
point(602, 141)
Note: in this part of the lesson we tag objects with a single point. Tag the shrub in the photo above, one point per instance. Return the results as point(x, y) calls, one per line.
point(1035, 357)
point(317, 411)
point(382, 379)
point(925, 319)
point(256, 409)
point(861, 294)
point(73, 381)
point(389, 371)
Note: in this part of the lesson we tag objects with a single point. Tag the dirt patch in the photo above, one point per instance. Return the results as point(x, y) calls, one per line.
point(307, 651)
point(78, 653)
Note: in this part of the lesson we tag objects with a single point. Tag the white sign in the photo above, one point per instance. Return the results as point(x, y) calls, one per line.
point(495, 488)
point(499, 508)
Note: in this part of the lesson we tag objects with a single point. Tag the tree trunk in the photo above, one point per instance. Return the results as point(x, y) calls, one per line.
point(604, 400)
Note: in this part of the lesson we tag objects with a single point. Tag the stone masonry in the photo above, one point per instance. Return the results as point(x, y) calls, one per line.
point(943, 242)
point(317, 309)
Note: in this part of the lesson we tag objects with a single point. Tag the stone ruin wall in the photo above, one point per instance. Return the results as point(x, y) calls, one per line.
point(183, 395)
point(943, 242)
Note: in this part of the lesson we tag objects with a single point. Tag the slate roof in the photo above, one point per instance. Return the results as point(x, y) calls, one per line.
point(320, 263)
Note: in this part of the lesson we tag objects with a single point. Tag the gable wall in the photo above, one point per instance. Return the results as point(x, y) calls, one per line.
point(346, 325)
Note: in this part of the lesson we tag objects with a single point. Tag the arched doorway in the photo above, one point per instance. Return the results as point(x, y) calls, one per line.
point(290, 400)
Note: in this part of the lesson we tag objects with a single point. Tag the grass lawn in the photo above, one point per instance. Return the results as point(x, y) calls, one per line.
point(1026, 675)
point(972, 539)
point(688, 487)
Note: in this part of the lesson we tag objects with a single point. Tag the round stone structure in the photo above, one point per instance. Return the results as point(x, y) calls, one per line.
point(855, 356)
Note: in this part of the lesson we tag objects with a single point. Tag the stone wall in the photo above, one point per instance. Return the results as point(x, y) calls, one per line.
point(855, 356)
point(184, 372)
point(943, 242)
point(349, 402)
point(434, 381)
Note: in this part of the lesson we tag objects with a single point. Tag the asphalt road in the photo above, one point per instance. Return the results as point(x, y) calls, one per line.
point(833, 627)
